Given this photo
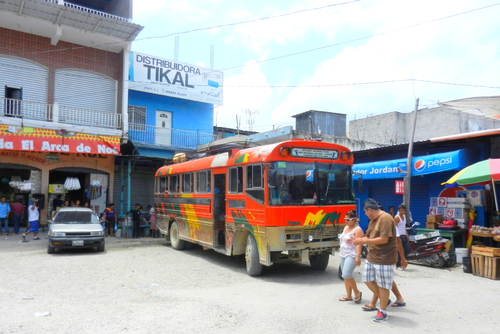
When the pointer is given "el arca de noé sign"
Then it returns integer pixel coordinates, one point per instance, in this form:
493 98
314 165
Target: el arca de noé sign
160 76
13 138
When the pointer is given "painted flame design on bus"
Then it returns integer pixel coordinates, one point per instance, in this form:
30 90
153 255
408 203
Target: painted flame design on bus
272 203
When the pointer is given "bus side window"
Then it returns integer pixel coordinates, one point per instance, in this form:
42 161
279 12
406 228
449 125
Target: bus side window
174 183
254 176
236 179
187 184
163 185
203 181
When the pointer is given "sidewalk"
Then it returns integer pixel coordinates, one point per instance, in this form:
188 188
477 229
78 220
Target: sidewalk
15 242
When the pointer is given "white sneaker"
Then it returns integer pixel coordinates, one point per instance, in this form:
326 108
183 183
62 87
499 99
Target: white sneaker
400 268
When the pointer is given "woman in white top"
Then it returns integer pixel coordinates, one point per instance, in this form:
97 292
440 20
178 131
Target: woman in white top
350 256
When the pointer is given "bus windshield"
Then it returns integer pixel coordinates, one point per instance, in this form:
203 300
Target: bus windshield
298 183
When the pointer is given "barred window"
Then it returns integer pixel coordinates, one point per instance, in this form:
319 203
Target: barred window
137 118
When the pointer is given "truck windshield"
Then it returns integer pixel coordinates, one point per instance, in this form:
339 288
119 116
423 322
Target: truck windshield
297 183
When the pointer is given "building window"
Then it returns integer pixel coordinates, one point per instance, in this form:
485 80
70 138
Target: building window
137 118
12 104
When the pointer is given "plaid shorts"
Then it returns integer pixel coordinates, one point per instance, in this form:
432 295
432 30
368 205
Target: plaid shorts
383 275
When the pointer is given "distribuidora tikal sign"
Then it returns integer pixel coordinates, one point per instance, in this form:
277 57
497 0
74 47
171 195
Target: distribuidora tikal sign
171 78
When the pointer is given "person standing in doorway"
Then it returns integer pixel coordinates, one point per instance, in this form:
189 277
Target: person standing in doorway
4 216
136 221
110 217
33 216
380 237
16 213
57 203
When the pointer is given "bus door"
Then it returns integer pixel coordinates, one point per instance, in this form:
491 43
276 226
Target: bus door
219 210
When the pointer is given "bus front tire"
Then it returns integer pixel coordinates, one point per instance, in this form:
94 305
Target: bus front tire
175 241
319 261
254 268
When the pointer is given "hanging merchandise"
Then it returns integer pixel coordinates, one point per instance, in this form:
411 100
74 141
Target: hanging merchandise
72 183
21 185
95 189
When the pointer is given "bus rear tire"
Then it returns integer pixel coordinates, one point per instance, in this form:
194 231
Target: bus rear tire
319 261
175 241
254 268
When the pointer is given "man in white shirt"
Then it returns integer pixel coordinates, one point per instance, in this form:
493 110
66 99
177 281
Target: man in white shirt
33 216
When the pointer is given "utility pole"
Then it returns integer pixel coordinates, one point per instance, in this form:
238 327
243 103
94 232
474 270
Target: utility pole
409 165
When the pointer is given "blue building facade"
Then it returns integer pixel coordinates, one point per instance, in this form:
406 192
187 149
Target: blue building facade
380 173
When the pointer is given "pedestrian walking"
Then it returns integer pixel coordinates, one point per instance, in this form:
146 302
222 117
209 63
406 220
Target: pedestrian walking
394 288
110 217
16 214
381 239
350 256
33 217
136 220
4 216
152 222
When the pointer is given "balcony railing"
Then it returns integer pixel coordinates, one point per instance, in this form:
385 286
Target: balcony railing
59 114
167 137
89 117
25 109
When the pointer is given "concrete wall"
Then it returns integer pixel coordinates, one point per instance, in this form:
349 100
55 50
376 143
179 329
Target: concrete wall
396 128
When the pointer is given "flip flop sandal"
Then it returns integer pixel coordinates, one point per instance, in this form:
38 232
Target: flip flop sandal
398 304
345 299
357 300
369 308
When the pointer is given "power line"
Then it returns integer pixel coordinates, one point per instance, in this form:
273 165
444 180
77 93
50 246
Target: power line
248 21
364 37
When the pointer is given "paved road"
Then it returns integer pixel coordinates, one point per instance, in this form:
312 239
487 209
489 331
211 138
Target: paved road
144 286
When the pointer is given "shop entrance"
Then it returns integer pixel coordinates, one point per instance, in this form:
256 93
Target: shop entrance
19 183
78 187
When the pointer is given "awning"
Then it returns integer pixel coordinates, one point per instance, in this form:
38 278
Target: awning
17 138
155 153
428 164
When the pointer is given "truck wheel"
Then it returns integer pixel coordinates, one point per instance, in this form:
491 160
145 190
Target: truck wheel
50 249
254 268
319 261
175 241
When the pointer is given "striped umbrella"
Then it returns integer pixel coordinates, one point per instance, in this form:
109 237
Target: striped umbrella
482 172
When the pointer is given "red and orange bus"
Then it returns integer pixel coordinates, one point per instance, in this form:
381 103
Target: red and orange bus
272 203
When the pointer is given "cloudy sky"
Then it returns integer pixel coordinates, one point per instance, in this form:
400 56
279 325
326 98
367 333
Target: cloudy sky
359 58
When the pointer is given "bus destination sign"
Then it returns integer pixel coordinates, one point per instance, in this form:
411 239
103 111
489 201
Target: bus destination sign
314 153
